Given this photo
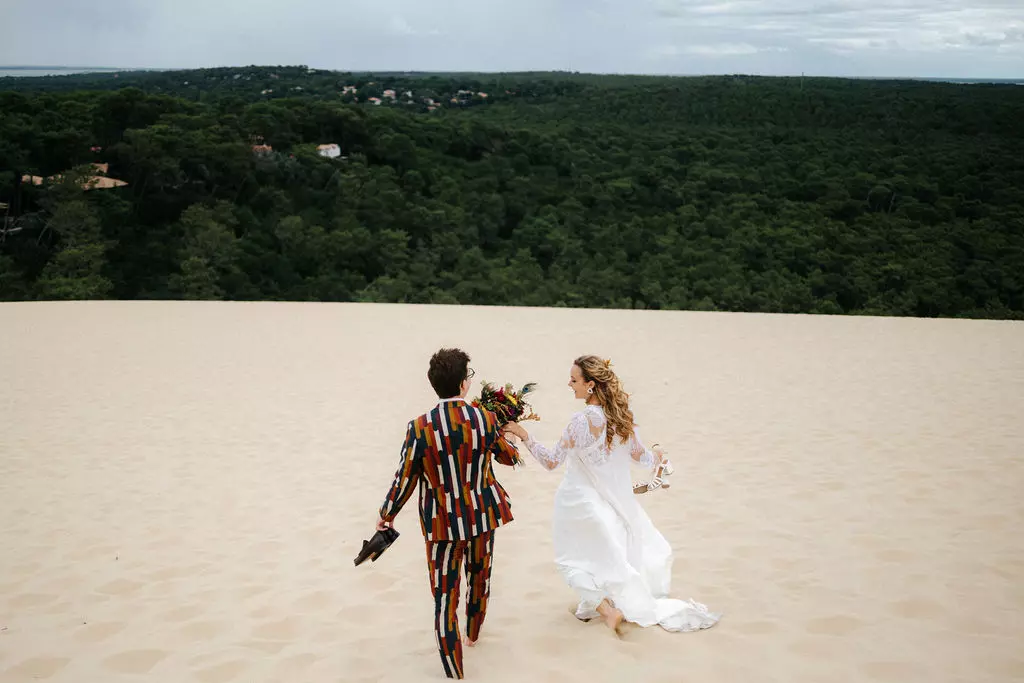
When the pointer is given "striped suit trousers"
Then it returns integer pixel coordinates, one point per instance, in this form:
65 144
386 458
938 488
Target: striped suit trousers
444 562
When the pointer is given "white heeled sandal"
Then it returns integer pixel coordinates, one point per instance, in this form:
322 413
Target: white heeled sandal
658 481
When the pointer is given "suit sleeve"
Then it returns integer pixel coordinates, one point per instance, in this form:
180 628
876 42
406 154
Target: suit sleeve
503 451
405 478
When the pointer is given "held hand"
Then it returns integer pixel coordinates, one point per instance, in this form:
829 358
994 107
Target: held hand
516 429
382 525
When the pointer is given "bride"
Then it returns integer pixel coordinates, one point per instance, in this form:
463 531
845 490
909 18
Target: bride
606 546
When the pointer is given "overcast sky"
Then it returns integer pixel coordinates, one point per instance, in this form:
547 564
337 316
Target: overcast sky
924 38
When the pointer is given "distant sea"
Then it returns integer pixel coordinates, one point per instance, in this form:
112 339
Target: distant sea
29 71
962 81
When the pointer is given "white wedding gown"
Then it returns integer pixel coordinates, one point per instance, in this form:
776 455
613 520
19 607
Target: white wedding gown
605 544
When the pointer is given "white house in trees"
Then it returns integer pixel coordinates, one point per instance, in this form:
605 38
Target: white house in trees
331 151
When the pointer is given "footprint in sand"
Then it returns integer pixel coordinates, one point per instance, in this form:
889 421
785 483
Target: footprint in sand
57 608
27 569
513 622
36 668
26 600
820 648
978 627
167 573
557 674
868 540
377 581
1003 572
134 661
10 588
96 551
362 612
282 629
264 611
161 542
202 630
992 522
335 633
268 566
838 625
755 628
893 555
797 586
223 672
921 493
270 647
64 585
917 608
553 646
312 601
200 661
785 563
184 613
898 672
299 662
119 587
96 633
363 664
252 590
1008 669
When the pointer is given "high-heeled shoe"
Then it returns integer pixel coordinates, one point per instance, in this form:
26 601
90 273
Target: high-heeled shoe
660 479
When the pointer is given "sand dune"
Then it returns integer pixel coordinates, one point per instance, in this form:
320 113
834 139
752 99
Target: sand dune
183 487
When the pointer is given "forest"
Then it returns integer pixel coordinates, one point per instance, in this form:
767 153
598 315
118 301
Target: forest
728 193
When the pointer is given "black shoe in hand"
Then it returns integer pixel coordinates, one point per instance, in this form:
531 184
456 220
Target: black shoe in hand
377 544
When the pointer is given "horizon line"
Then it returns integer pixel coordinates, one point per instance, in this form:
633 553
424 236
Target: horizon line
99 69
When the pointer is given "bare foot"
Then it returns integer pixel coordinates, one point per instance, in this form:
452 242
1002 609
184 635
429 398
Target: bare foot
614 619
612 616
470 643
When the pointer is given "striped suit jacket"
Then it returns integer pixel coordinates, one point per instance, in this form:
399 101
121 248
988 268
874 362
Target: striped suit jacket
447 455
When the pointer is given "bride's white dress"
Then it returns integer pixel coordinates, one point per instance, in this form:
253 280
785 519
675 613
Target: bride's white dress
605 544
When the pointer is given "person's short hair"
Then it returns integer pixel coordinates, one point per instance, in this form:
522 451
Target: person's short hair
448 368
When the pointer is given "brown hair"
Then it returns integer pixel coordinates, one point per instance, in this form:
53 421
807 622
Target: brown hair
448 368
610 394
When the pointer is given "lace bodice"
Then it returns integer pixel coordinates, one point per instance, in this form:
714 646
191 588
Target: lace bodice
584 436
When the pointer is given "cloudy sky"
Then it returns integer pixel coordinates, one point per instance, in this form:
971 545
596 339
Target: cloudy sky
924 38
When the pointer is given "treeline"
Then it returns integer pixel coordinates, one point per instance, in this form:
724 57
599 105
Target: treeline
726 193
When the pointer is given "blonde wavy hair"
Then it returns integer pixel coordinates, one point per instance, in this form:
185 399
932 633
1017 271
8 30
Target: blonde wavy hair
609 392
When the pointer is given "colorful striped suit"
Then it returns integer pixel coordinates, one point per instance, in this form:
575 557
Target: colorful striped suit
447 456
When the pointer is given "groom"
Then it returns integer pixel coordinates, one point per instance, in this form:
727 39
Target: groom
447 457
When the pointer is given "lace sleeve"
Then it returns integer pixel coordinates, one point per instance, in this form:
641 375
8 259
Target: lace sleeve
639 452
579 433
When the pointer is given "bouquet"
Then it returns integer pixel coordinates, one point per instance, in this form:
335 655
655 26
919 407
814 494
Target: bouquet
507 404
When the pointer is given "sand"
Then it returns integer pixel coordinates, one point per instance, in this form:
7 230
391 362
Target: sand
183 487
